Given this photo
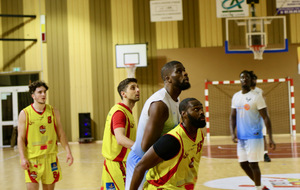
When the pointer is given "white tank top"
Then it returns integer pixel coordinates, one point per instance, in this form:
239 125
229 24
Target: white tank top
172 121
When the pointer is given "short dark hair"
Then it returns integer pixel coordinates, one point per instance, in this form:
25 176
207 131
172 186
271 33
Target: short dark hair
246 72
36 84
123 85
253 76
183 106
167 69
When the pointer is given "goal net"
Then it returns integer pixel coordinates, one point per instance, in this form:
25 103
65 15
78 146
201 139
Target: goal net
278 94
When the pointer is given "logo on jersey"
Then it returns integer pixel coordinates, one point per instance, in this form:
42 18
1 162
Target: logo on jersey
53 166
42 129
247 106
185 155
33 175
110 186
191 164
199 146
248 99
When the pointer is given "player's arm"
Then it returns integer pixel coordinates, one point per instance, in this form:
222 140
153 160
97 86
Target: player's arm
149 160
118 126
264 114
164 149
21 140
122 139
233 124
62 137
158 115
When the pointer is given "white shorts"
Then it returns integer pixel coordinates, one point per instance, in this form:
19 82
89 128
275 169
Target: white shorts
264 130
251 150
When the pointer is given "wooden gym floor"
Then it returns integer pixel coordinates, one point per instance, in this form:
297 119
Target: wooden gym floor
218 162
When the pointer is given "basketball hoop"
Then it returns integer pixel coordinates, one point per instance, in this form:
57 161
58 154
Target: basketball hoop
258 51
130 68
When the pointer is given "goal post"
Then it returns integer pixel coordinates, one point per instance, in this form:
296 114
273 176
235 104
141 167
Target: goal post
279 96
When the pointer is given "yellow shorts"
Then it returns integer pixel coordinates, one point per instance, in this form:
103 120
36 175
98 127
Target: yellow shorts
113 175
45 168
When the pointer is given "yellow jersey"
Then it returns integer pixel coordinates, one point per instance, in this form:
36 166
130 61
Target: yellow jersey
180 172
111 150
41 134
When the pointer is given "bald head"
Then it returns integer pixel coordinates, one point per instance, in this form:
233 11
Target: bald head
168 68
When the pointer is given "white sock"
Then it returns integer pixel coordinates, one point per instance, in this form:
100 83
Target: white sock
265 152
259 187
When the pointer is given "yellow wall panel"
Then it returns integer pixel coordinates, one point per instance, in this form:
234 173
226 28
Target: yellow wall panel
216 26
210 25
32 30
122 20
166 35
58 70
294 28
213 20
102 64
19 54
260 9
42 48
204 22
80 61
24 54
12 27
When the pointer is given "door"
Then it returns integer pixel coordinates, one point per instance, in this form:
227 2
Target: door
13 100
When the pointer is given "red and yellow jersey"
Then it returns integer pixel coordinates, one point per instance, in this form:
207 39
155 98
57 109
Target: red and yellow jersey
180 172
111 150
41 135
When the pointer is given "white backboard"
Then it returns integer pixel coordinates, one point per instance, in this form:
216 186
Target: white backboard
131 54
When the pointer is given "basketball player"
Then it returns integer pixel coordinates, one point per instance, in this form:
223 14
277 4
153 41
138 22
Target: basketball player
39 128
175 155
246 109
159 115
260 91
119 135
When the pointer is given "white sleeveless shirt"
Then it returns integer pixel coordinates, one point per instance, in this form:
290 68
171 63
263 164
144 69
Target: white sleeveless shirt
172 121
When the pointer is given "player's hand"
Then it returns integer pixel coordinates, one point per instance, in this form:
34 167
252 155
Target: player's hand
272 144
25 164
234 138
69 159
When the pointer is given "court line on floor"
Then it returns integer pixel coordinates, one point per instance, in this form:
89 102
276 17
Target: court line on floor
11 157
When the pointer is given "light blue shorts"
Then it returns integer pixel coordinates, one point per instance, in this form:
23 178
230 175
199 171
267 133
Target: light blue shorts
132 161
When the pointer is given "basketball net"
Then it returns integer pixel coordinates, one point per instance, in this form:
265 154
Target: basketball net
258 51
130 68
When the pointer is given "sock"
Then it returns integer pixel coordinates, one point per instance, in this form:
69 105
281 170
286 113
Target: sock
259 187
265 152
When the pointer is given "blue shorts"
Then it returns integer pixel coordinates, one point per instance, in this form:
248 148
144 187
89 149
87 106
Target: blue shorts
132 161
